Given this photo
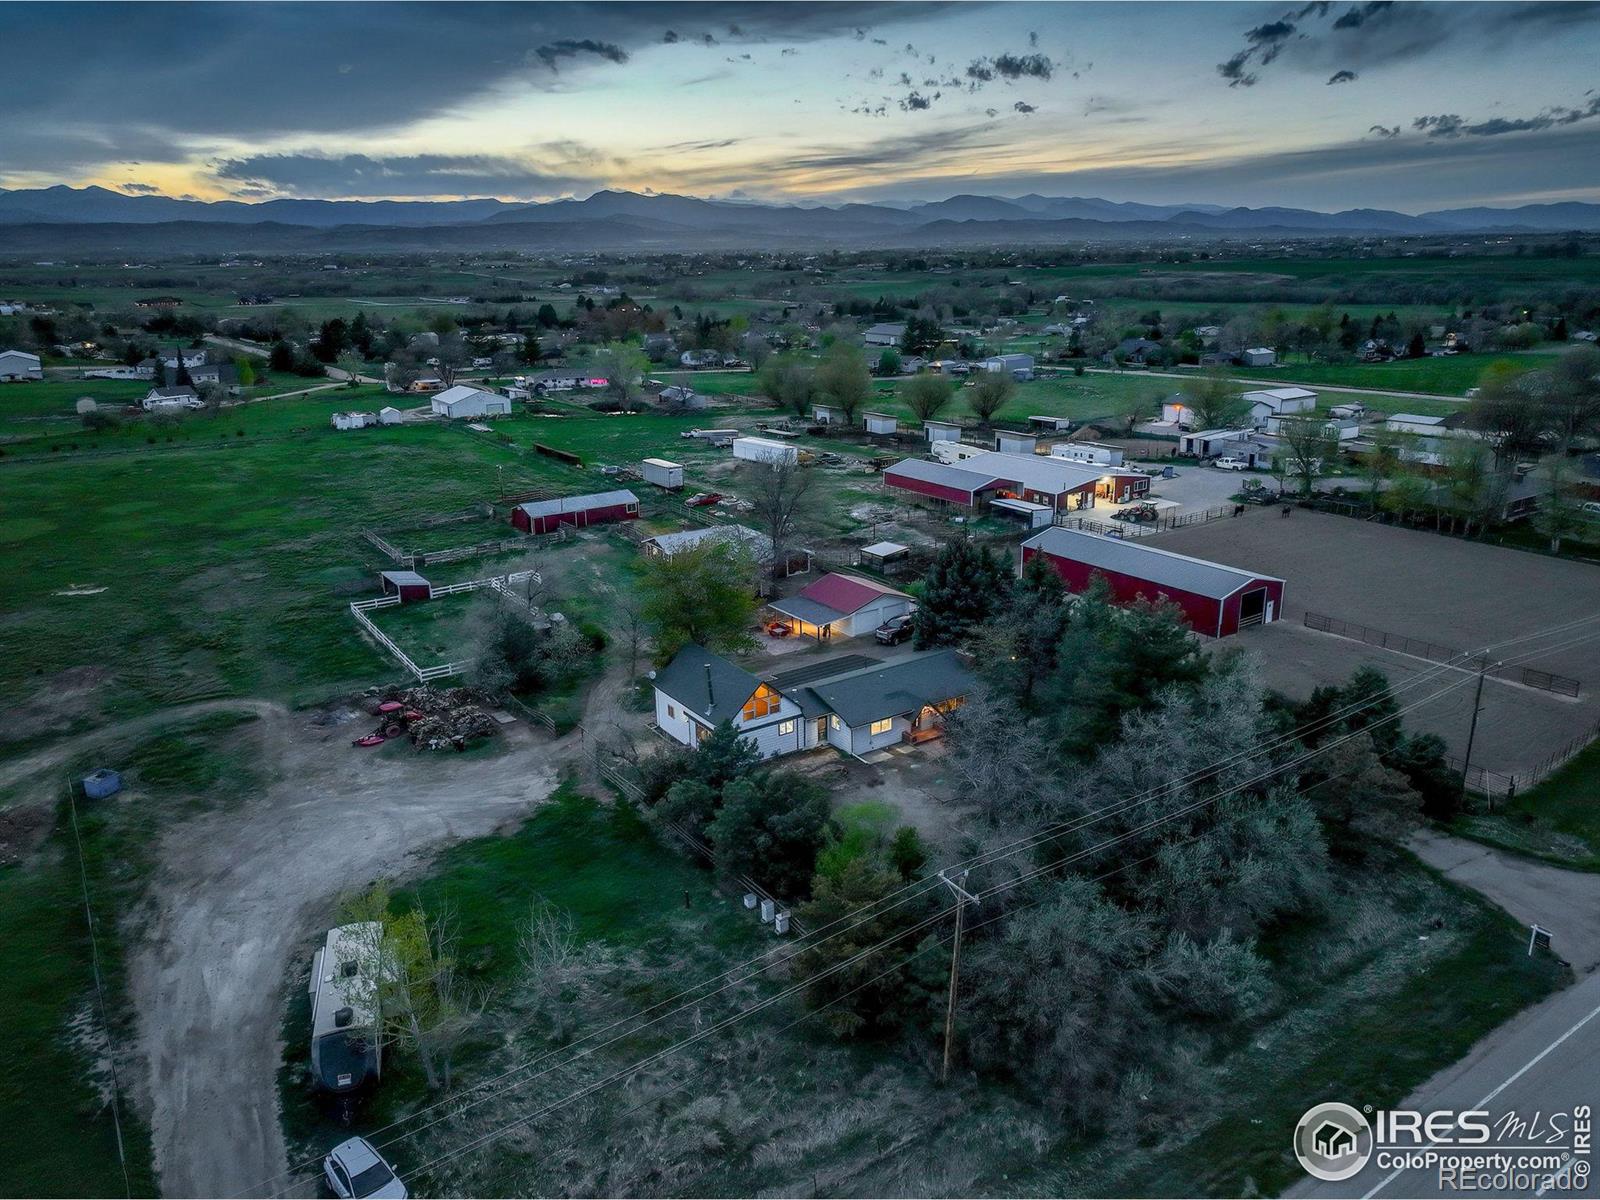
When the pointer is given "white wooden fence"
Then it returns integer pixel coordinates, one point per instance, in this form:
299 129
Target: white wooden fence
360 608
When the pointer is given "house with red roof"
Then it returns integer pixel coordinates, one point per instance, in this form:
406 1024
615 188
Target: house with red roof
840 605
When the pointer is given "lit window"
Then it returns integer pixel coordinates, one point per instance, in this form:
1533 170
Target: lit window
786 727
837 724
882 726
763 703
701 733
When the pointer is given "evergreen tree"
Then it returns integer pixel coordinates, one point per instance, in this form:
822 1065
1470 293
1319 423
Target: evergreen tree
965 587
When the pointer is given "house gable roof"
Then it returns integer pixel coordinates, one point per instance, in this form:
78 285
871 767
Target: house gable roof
461 391
706 684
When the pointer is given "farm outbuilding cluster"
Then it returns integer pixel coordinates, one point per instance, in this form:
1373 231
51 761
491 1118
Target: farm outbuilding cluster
1216 600
987 476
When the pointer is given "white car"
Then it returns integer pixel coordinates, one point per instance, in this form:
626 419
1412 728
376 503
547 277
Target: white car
1231 464
355 1170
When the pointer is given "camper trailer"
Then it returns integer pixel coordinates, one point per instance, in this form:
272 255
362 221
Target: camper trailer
344 1008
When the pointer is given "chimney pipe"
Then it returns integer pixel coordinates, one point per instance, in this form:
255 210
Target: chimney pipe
711 695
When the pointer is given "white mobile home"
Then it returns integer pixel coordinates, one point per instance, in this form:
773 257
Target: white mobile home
1092 453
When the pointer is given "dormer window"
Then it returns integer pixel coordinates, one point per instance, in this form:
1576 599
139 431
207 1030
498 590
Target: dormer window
765 702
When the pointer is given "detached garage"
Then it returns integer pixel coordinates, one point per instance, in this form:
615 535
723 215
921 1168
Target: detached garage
1216 600
600 508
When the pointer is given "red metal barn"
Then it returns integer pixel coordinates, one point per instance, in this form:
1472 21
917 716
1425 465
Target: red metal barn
939 481
601 508
1216 600
408 585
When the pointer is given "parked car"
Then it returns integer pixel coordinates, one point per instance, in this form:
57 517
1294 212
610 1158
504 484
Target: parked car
1231 464
355 1170
703 499
1591 509
894 631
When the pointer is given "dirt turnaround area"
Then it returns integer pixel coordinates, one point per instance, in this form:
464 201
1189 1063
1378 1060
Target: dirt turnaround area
1456 593
239 889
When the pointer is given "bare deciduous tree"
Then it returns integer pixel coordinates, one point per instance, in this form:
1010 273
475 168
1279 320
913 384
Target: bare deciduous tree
781 494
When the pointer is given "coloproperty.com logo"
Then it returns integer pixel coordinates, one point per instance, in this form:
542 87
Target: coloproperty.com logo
1468 1150
1333 1141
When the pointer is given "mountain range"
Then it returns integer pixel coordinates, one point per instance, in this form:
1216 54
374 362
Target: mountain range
95 218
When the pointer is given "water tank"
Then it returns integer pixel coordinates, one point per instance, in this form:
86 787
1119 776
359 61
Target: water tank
97 785
780 924
768 911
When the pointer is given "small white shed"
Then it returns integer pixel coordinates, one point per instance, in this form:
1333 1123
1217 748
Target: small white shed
1008 442
942 431
390 416
880 423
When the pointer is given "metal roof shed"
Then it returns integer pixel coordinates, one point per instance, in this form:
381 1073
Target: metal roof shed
408 585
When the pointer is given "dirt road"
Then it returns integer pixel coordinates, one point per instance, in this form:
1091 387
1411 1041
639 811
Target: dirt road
241 889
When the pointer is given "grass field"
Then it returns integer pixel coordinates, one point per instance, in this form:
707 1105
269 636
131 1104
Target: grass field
57 1137
600 865
1558 820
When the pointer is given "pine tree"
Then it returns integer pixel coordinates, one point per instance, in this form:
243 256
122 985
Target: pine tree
963 589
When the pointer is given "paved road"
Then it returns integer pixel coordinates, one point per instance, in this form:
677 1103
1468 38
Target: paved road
1546 1060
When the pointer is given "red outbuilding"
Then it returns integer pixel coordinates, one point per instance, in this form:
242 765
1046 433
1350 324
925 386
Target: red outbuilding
408 585
1216 600
544 516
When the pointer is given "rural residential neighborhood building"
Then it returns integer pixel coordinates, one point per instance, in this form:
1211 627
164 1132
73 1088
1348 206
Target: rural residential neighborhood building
598 508
1216 600
864 706
758 545
18 365
1268 403
1018 366
1258 356
988 475
885 335
462 402
841 606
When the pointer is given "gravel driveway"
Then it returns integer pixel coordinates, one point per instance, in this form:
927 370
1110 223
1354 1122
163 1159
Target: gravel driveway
240 890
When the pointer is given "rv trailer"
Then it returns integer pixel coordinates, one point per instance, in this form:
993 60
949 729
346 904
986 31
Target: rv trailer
345 1051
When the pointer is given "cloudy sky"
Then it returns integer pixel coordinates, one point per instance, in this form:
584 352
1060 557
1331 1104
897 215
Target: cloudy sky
1323 105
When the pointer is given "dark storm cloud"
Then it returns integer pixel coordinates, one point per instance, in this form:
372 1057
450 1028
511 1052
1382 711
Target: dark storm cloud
140 189
1022 106
1452 125
1343 77
551 54
1385 131
1380 32
281 70
360 175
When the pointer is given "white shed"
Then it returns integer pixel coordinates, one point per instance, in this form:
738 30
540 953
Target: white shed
390 416
942 431
880 423
662 473
1008 442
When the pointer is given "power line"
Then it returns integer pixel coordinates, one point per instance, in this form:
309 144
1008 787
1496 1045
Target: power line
912 891
100 993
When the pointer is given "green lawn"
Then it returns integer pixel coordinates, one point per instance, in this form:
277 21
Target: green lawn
1444 376
601 865
1557 820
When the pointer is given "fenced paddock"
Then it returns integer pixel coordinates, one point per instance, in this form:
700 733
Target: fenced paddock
361 610
1411 600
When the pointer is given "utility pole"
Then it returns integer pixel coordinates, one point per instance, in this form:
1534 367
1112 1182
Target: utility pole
1472 730
962 897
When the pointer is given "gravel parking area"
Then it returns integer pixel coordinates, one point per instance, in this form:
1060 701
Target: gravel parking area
1458 594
